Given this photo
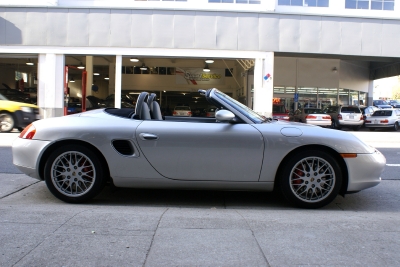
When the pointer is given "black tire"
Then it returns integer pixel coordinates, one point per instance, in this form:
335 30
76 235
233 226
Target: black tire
82 181
396 126
9 121
372 129
356 128
311 188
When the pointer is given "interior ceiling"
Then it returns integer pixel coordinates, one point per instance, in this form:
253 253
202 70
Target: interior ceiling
380 67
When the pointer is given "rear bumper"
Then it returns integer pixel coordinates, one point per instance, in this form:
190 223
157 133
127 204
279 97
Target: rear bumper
320 123
379 125
350 123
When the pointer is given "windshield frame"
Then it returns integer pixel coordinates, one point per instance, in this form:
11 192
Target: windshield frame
241 108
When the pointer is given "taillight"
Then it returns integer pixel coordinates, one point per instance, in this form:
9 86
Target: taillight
175 112
366 121
384 121
311 117
190 113
339 116
362 117
326 117
28 132
208 114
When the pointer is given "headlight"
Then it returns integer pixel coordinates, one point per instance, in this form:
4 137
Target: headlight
26 109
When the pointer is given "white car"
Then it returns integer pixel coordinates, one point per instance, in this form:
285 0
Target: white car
184 111
385 118
314 116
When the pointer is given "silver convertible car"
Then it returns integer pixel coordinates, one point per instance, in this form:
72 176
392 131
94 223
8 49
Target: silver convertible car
77 155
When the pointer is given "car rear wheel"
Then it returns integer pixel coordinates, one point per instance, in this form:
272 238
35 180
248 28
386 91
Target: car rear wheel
311 179
396 126
7 122
74 174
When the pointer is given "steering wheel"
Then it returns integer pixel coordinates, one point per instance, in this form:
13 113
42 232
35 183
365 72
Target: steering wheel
139 105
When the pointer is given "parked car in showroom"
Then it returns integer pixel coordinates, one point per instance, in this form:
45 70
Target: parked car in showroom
184 111
279 112
77 155
394 103
345 116
385 118
314 116
382 104
16 114
15 95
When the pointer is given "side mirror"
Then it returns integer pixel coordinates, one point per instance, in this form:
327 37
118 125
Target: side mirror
224 115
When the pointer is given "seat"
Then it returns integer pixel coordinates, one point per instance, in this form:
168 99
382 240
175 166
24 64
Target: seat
142 111
155 111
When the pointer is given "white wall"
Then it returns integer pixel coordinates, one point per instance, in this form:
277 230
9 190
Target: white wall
354 75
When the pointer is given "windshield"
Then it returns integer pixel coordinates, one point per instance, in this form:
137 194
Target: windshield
182 108
248 112
3 97
380 102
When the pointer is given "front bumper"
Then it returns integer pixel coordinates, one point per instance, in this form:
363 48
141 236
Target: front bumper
365 170
23 119
26 155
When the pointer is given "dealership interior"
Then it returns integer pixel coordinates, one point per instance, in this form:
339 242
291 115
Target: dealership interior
175 81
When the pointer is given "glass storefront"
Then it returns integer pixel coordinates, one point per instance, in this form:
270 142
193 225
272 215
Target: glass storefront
318 97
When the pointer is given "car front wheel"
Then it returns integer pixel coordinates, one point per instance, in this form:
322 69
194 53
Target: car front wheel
311 179
74 174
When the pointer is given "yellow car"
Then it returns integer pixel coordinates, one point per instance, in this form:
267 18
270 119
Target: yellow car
16 114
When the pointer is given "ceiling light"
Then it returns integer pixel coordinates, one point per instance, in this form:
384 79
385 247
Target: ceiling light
209 61
96 73
134 59
71 80
29 62
143 67
106 78
206 68
81 67
334 69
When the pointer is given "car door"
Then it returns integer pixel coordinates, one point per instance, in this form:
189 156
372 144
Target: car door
202 151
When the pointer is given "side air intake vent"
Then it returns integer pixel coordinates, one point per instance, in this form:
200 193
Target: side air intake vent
123 147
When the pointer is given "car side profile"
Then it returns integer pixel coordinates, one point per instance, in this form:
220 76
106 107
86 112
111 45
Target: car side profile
77 155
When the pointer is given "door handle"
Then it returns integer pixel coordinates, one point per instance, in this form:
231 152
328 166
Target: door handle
148 136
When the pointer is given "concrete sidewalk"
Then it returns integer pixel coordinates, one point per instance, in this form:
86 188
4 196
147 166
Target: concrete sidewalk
128 227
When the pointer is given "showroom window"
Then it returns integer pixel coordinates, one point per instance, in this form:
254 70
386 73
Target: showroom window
357 4
382 4
309 3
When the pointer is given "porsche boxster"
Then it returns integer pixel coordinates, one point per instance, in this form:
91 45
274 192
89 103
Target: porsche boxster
238 149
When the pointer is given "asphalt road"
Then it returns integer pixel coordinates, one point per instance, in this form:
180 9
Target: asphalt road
131 227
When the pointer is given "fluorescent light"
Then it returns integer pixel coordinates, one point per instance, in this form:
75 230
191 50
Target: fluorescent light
209 61
96 73
134 59
81 67
106 78
143 67
206 68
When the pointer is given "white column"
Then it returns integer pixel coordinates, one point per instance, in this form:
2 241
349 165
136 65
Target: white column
51 85
263 84
89 78
370 93
118 80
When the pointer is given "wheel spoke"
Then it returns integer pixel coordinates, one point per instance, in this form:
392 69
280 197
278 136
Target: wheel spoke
312 179
73 173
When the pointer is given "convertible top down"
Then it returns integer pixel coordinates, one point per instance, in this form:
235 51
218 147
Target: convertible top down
237 150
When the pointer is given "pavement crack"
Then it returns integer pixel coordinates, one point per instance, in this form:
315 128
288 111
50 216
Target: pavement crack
152 239
22 188
255 238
